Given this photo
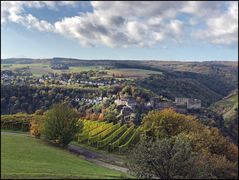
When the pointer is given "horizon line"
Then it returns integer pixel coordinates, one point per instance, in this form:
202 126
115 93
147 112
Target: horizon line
119 59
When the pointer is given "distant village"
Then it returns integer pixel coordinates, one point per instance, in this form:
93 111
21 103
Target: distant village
83 78
182 105
125 105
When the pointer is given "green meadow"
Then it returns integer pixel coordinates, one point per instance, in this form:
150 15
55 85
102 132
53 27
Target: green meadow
25 157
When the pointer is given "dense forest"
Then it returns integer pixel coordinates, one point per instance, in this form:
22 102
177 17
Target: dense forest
28 99
206 88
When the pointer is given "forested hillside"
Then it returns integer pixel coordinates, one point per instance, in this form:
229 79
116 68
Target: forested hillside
227 108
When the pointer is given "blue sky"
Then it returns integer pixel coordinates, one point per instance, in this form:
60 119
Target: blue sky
115 30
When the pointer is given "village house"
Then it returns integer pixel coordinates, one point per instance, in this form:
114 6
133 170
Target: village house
63 82
154 101
6 81
126 111
41 81
181 101
120 101
130 102
194 104
188 103
164 104
125 114
159 103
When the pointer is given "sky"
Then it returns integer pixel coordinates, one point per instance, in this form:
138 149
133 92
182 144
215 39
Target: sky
144 30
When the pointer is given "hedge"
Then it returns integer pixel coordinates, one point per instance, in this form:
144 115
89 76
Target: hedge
17 121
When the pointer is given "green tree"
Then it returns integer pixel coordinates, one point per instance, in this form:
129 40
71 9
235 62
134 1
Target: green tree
61 124
166 159
111 116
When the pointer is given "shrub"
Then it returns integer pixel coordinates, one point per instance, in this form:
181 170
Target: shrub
36 126
39 112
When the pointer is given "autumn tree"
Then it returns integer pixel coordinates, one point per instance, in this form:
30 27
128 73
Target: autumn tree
37 126
166 123
101 117
166 159
219 154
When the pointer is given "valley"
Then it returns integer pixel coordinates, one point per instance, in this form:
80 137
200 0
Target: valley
113 98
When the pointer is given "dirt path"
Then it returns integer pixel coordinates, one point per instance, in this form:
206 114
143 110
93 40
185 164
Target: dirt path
98 158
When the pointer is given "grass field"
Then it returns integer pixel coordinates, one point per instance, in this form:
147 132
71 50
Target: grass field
82 68
26 157
131 72
38 69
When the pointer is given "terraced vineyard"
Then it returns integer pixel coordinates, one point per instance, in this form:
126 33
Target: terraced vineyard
108 136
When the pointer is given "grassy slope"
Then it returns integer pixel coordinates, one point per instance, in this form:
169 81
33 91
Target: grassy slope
25 157
226 107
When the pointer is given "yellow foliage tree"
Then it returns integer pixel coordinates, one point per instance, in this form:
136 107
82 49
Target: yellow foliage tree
168 123
36 126
101 117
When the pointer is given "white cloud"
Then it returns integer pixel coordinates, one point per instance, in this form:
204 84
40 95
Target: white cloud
201 8
123 24
41 25
129 23
222 29
12 11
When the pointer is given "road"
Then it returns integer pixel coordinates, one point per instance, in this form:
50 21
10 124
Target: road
97 158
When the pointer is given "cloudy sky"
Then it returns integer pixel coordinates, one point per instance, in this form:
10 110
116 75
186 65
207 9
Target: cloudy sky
120 30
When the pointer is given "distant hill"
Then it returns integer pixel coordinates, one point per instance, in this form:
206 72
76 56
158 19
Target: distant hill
23 61
228 109
171 87
209 80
